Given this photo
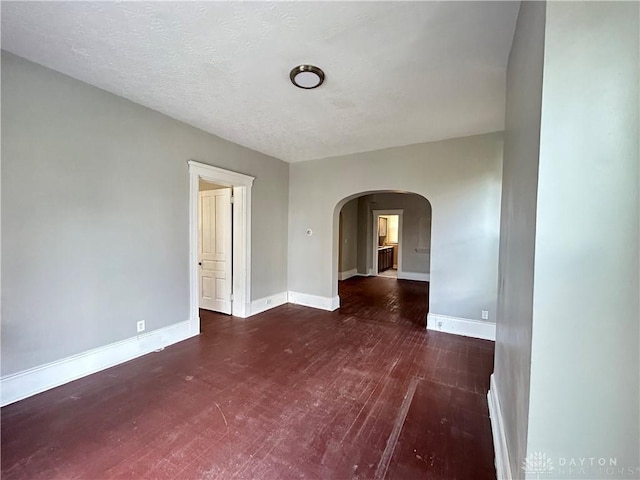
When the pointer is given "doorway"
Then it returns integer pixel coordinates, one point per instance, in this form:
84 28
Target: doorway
240 185
387 246
357 238
215 227
386 243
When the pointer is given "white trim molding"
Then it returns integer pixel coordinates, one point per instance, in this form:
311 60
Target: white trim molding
241 184
503 467
44 377
315 301
348 274
420 277
267 303
461 326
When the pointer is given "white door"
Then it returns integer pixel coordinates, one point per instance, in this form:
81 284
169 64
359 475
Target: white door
214 250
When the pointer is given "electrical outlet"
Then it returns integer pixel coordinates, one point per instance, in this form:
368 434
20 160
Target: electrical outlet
268 301
485 314
140 326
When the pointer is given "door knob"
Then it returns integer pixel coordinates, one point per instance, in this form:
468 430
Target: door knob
200 263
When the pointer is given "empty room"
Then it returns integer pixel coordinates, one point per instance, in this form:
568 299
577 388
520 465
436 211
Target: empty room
320 240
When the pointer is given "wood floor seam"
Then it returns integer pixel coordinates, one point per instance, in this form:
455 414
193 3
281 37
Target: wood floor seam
383 465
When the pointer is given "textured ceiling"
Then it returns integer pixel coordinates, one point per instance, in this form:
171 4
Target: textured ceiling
396 73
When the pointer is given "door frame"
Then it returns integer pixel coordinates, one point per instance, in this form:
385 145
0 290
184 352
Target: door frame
241 255
374 238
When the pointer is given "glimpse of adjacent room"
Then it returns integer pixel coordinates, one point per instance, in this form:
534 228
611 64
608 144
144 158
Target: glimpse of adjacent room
385 234
388 245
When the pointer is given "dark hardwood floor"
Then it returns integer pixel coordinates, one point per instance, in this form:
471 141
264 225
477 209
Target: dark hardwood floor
362 392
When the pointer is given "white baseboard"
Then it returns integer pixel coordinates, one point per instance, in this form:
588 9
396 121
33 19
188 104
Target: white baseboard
266 303
503 467
335 303
348 274
461 326
420 277
240 310
44 377
315 301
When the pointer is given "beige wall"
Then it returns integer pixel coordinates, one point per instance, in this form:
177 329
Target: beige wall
392 230
205 186
461 178
95 215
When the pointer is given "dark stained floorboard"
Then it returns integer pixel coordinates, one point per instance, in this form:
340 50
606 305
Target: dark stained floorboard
362 392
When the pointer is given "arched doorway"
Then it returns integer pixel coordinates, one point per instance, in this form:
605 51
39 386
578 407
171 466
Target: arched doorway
382 245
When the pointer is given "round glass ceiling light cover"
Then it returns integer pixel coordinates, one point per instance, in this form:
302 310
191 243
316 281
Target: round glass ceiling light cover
307 76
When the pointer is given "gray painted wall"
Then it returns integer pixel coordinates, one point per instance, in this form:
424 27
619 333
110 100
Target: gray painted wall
364 239
462 180
95 196
517 227
585 365
349 237
414 207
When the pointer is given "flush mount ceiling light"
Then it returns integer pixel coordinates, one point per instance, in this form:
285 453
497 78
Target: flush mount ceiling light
306 76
